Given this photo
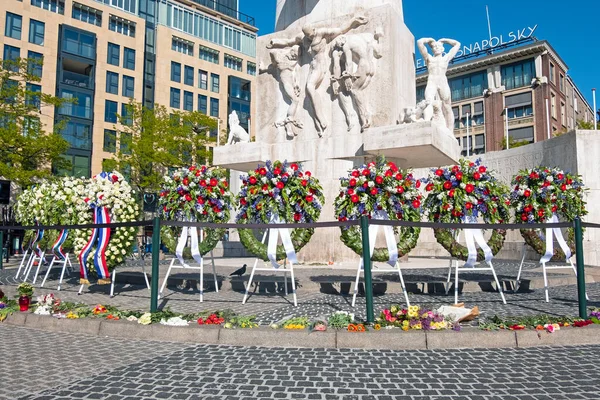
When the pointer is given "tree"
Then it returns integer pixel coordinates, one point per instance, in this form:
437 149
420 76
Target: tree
581 124
27 150
514 143
153 140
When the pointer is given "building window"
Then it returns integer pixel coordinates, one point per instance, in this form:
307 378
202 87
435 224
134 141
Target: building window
110 111
128 86
175 71
11 57
114 54
552 72
202 104
87 14
421 93
215 83
129 58
239 88
214 107
202 79
126 5
175 98
112 82
9 92
121 25
521 134
78 134
466 115
79 43
479 144
188 77
468 86
126 117
553 105
34 63
32 95
110 141
81 107
478 117
80 166
518 105
125 141
182 46
208 54
563 114
561 82
251 68
36 32
232 62
56 6
14 26
518 74
233 38
188 101
456 118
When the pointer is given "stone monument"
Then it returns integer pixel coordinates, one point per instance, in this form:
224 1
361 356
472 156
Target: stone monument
333 80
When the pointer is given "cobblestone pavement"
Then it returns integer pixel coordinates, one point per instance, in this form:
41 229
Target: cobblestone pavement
42 366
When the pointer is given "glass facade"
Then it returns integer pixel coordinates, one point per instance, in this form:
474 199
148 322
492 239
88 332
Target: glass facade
518 74
468 86
125 5
81 108
78 134
79 43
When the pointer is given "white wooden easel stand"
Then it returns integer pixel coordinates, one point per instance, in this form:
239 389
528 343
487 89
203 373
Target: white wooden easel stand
187 266
23 265
545 268
457 269
60 263
284 270
34 257
112 282
395 269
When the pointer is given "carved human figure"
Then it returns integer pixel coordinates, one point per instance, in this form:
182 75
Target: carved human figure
349 50
437 83
283 67
237 134
316 42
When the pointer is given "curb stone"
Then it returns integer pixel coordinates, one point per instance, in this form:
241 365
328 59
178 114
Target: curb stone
564 337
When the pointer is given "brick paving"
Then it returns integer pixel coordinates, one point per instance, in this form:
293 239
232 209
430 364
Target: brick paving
42 366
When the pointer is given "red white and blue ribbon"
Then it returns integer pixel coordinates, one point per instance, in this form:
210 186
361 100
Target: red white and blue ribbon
39 235
57 249
550 232
471 237
102 236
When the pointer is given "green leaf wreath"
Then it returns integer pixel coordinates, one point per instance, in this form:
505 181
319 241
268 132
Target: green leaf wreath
467 190
278 190
379 188
538 194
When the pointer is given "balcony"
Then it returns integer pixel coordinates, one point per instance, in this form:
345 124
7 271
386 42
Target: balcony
75 79
230 12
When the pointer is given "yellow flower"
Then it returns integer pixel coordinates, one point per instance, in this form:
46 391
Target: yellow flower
377 327
405 328
417 326
405 323
394 309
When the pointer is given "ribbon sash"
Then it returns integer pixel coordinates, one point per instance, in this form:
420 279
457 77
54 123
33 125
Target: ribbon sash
550 232
101 216
57 249
35 244
473 236
182 242
286 240
390 238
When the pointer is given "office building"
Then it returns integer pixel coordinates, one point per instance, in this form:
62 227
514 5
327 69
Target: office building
184 54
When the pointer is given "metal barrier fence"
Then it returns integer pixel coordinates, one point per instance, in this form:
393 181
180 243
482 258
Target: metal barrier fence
364 223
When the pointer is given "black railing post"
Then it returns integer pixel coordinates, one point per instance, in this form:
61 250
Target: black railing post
580 269
366 247
2 255
155 263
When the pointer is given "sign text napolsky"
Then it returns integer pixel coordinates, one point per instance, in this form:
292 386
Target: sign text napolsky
488 44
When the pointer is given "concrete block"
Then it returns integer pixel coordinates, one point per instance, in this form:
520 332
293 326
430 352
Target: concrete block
277 338
565 337
16 319
470 338
394 339
132 330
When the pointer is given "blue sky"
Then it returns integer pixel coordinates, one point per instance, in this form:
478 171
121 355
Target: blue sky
570 27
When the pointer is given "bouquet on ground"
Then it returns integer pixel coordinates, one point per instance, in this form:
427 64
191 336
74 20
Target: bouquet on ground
278 192
466 192
197 194
383 191
539 194
413 317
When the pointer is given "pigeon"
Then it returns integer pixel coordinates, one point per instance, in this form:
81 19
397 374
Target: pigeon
239 272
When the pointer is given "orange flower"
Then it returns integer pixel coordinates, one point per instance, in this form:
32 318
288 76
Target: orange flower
360 328
377 327
351 328
539 328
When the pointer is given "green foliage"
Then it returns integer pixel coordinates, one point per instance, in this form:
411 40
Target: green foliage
25 289
589 125
513 143
340 320
170 234
155 140
531 322
27 149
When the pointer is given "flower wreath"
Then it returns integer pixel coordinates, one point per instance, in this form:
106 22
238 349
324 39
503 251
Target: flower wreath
379 188
30 209
461 191
281 190
541 192
109 190
199 194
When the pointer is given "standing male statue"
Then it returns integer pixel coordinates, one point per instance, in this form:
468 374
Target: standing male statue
316 41
437 83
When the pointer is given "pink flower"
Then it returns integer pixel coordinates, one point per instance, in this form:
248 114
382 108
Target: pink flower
549 328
